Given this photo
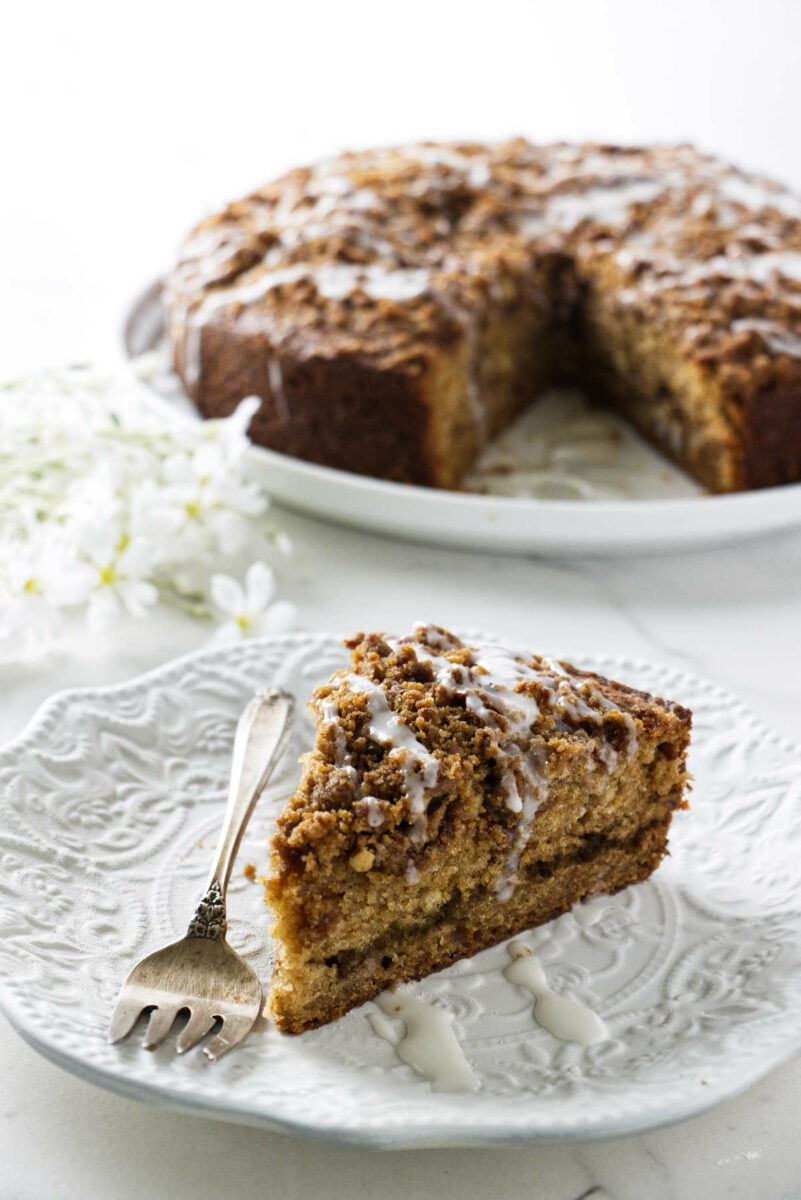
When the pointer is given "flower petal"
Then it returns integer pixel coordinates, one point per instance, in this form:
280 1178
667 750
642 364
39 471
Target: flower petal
73 586
230 530
259 586
278 618
178 469
227 634
97 539
138 596
227 594
103 610
138 559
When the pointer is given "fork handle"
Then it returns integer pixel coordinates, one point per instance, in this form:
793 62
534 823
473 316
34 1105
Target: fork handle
260 737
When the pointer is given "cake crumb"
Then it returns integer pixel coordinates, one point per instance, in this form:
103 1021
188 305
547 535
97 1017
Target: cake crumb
362 860
249 871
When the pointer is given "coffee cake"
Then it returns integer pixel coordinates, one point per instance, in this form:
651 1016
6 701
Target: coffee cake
394 309
458 793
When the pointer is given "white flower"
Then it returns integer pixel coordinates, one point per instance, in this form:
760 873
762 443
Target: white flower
108 504
44 564
122 567
28 625
38 577
101 490
247 612
153 516
230 434
205 501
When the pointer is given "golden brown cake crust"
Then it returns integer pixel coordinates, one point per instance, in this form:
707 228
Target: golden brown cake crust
457 794
335 293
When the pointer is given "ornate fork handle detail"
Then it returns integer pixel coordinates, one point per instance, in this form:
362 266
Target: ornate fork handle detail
209 920
255 735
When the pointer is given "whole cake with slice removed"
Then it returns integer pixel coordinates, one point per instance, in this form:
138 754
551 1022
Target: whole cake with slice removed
396 308
458 793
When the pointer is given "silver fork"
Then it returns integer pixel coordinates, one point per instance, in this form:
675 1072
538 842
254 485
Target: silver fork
200 973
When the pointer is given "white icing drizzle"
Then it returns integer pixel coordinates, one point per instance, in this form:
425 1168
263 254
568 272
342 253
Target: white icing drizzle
667 271
588 912
337 211
607 205
338 280
505 671
569 701
384 1028
276 378
330 714
475 168
437 639
245 291
375 815
565 1019
428 1045
494 695
493 698
489 686
535 791
351 774
419 768
342 762
776 337
334 281
608 755
755 195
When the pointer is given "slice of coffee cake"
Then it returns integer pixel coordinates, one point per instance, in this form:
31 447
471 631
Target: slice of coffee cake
456 794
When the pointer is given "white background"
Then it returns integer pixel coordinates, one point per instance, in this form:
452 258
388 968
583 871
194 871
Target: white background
121 125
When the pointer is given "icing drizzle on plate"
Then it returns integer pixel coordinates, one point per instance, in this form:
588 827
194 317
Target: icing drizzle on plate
565 1019
429 1043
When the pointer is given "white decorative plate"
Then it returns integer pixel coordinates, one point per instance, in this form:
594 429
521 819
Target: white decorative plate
565 480
108 805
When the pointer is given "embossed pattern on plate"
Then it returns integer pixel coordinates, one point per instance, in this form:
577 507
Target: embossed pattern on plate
107 805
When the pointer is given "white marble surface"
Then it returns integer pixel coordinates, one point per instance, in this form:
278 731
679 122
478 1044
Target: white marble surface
129 124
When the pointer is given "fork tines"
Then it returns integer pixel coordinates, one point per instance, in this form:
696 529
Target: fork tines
203 1017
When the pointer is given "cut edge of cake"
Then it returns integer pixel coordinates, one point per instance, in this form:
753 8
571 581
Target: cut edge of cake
457 794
